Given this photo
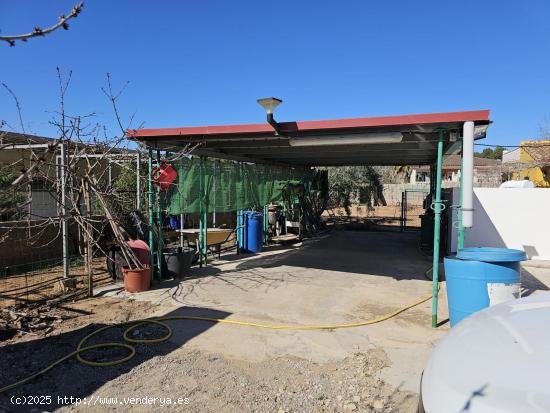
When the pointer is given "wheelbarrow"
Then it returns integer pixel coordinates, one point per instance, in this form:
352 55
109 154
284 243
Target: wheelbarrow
215 237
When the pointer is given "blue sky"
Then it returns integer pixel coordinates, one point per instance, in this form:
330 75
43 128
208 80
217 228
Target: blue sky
206 62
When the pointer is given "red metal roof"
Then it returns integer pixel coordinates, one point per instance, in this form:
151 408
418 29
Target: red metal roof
319 125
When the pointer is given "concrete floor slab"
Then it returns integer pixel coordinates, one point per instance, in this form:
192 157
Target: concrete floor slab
339 277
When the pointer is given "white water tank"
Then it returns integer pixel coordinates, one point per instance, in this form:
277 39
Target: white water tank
525 183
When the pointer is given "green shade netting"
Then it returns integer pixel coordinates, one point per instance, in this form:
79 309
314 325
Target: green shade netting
230 186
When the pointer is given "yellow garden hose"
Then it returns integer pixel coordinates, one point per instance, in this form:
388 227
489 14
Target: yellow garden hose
159 321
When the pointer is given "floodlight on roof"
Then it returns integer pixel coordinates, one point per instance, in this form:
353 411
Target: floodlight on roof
269 105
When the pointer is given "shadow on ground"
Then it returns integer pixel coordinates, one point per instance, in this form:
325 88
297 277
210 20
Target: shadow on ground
387 254
530 283
72 378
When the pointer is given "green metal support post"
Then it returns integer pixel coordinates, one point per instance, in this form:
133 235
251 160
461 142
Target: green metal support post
205 216
238 231
461 229
201 223
266 224
150 211
437 206
159 226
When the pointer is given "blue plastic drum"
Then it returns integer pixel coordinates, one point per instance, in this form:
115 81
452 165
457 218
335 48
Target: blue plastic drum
253 231
480 277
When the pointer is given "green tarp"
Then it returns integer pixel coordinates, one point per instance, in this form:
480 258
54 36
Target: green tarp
230 186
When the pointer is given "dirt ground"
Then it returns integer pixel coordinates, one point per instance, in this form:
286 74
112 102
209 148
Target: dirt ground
210 382
339 277
381 215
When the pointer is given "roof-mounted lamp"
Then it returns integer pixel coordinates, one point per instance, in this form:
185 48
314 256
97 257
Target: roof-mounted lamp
269 105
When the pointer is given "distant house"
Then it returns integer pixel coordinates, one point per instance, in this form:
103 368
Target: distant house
511 155
533 162
487 172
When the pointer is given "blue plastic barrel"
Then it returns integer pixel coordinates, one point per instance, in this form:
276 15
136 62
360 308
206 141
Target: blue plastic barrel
253 231
480 277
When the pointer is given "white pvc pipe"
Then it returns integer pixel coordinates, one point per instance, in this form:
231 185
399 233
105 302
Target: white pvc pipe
468 175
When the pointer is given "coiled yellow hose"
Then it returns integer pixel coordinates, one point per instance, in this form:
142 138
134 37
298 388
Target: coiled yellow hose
159 321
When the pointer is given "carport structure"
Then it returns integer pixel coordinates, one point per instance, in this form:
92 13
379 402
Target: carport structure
420 139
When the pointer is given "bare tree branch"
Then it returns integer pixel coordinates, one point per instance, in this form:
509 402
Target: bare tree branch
17 105
75 11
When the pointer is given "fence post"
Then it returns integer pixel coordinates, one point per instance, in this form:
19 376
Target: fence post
403 211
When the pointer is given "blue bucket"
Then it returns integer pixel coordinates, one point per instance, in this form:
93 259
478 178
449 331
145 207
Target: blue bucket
253 231
480 277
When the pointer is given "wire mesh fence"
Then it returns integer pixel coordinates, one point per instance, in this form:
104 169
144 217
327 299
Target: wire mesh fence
413 207
31 262
41 281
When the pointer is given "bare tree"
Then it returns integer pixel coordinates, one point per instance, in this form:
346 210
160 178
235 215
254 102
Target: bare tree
81 180
37 31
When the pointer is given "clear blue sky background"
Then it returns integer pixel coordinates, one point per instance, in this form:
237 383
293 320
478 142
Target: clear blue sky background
206 62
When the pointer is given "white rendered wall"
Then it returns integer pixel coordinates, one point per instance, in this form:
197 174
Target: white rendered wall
510 218
510 156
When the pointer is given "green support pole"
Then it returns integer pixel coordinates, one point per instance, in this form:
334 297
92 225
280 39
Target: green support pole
461 230
159 226
150 212
205 217
238 231
437 207
201 222
265 222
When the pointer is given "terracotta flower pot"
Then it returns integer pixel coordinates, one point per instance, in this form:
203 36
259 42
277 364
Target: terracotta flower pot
136 281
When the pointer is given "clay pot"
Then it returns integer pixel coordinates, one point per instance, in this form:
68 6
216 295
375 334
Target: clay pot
136 281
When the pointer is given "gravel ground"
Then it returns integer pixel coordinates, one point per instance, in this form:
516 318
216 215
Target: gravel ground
199 381
213 384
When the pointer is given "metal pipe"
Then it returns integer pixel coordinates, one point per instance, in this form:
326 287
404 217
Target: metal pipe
267 239
461 231
150 211
468 175
437 207
181 231
274 124
240 232
64 219
205 213
26 146
214 190
138 181
159 225
201 223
